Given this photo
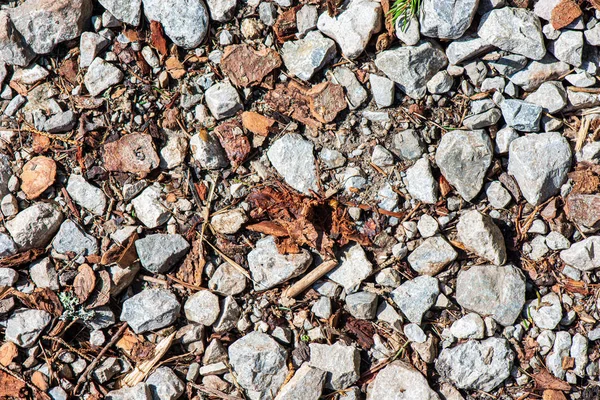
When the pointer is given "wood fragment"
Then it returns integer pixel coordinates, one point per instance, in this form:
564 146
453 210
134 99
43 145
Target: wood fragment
309 279
142 370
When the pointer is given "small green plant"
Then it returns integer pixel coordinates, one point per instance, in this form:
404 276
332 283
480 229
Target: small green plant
305 338
72 310
404 10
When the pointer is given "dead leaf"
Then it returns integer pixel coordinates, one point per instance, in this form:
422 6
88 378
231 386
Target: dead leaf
545 380
11 387
553 395
21 258
157 38
84 282
257 123
8 352
191 269
285 27
133 153
127 341
38 175
175 68
38 380
564 13
269 228
245 66
68 70
445 186
363 331
234 141
101 294
567 363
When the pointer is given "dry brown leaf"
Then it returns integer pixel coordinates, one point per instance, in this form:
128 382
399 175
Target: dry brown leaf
41 299
362 330
234 141
285 27
38 380
553 395
8 352
38 175
101 294
175 68
84 282
268 228
11 387
21 258
68 70
191 269
142 351
157 38
545 380
127 342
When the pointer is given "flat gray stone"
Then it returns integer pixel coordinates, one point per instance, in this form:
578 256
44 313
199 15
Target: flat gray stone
202 308
420 183
101 76
222 10
492 290
382 90
568 47
471 326
72 238
356 94
538 72
353 269
227 280
408 145
185 21
551 96
416 296
362 305
24 326
141 391
304 57
447 19
539 163
583 255
432 256
466 48
306 384
341 362
521 115
151 309
292 156
165 385
463 158
399 378
149 208
128 11
159 252
13 47
208 153
546 313
223 100
479 234
35 226
86 195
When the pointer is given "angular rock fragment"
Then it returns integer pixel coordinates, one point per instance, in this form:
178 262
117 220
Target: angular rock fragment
151 309
307 383
432 256
86 195
245 66
304 57
583 255
101 76
25 326
420 183
400 377
159 252
353 269
35 226
133 153
185 21
480 235
128 11
341 362
13 47
417 296
292 156
447 19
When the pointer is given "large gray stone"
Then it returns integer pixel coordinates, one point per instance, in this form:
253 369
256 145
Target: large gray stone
463 158
480 235
185 21
353 27
538 72
35 226
222 10
447 19
202 308
400 381
223 100
306 384
547 312
539 163
341 362
521 115
141 391
46 23
411 67
420 183
492 290
128 11
568 47
259 364
25 326
583 255
269 268
292 156
13 48
477 365
165 385
516 30
72 238
417 296
151 309
207 151
304 57
101 76
551 96
466 48
158 253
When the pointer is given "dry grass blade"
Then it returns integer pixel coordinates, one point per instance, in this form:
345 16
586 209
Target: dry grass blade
230 261
142 370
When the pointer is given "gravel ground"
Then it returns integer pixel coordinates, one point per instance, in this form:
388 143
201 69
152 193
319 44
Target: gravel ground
299 200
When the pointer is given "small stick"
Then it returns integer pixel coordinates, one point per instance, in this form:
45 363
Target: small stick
214 392
310 278
96 361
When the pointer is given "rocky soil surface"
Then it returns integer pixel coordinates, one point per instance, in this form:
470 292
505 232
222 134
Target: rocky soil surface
299 200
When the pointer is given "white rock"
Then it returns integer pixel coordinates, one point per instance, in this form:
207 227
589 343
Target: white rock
292 156
86 195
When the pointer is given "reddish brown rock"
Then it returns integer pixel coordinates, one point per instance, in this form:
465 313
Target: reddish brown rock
236 144
257 123
584 209
133 153
38 175
245 66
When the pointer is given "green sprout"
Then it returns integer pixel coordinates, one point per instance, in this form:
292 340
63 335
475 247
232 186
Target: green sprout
71 309
404 10
305 338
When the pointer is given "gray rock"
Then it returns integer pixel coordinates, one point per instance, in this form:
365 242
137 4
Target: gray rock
208 153
13 47
229 222
269 268
389 315
408 145
417 296
583 255
322 307
141 391
202 308
14 105
400 380
581 79
185 21
463 158
230 314
353 27
546 313
551 96
492 290
7 246
466 48
222 10
341 362
427 226
540 164
151 309
149 208
61 122
101 76
159 252
353 269
516 30
481 365
355 93
304 57
362 305
35 226
86 195
43 274
497 195
227 280
128 11
5 175
173 152
223 100
556 241
382 90
165 385
306 384
414 333
521 115
58 393
568 47
480 235
471 326
504 138
292 156
561 349
483 120
440 83
432 256
543 8
107 370
25 326
306 19
46 23
411 67
381 156
8 277
90 45
447 19
409 33
538 72
580 100
268 13
259 363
